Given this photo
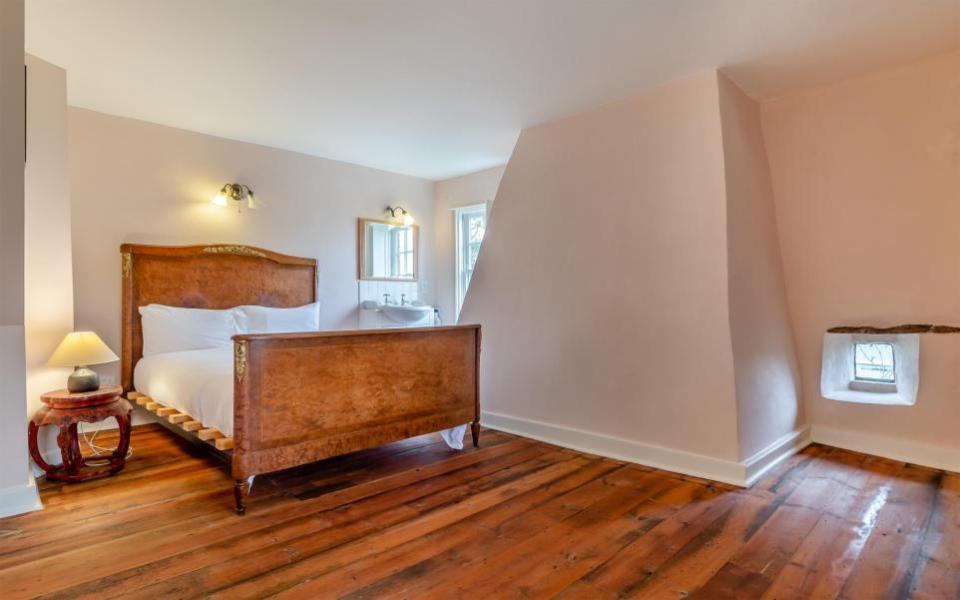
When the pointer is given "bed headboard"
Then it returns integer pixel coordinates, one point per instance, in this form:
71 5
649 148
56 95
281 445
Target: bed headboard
210 276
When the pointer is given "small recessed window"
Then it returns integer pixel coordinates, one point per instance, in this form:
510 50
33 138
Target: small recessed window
873 362
871 369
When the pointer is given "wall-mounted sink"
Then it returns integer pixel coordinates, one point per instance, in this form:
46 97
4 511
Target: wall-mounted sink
408 313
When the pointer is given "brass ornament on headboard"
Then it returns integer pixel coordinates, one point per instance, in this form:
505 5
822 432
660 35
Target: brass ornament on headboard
241 250
240 359
125 259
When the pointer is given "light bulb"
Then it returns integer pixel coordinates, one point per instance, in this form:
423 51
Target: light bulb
220 200
407 219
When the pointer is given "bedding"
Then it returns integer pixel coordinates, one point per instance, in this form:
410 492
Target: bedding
266 319
200 384
196 382
175 329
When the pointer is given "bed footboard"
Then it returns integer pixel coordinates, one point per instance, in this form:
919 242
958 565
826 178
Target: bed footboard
303 397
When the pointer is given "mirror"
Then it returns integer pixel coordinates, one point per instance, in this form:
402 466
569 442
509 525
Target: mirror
388 251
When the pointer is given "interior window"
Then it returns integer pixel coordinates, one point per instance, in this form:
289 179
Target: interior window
471 225
874 362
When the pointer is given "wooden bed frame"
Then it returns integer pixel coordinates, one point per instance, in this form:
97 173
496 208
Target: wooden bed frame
299 397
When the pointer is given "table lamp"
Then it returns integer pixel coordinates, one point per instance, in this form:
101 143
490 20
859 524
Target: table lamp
77 350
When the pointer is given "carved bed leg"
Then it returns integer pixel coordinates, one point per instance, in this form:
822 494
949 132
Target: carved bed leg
240 489
475 430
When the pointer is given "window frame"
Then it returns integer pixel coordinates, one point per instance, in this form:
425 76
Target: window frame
873 380
461 217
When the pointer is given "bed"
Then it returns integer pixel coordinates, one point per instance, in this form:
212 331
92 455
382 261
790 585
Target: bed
269 402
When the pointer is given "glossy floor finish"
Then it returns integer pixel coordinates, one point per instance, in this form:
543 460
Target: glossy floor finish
514 519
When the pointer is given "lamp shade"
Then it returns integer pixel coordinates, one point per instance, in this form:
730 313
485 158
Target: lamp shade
81 348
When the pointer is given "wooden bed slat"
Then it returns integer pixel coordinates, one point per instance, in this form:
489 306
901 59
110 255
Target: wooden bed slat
209 434
223 443
185 421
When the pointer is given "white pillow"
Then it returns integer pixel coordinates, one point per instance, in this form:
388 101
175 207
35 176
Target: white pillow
266 319
174 329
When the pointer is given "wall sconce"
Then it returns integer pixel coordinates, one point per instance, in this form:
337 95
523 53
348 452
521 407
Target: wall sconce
399 213
237 192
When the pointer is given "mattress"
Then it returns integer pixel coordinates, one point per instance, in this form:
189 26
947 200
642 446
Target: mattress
200 384
196 382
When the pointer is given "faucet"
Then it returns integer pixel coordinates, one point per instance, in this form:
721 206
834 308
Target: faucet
386 298
403 299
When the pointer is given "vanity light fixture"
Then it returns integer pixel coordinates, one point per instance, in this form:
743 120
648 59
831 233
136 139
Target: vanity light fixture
399 213
237 192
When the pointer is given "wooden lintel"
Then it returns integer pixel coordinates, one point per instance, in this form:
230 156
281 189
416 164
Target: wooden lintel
908 328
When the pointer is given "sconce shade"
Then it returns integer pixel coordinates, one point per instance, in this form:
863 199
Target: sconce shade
237 192
399 213
81 348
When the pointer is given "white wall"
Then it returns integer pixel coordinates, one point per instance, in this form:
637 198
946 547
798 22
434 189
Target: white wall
630 287
602 283
17 493
48 274
133 181
765 363
475 188
866 175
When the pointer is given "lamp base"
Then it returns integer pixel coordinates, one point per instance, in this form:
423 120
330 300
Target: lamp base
83 380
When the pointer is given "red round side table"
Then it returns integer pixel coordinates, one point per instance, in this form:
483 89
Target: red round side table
65 410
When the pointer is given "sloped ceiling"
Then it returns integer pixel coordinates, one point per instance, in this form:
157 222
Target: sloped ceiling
437 88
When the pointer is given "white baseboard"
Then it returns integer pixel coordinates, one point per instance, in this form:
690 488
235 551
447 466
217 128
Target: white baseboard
757 465
918 453
19 499
669 459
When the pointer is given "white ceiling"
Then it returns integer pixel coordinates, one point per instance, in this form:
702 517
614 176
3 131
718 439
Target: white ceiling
437 88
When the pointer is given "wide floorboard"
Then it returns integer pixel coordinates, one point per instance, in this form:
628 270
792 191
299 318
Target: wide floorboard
514 519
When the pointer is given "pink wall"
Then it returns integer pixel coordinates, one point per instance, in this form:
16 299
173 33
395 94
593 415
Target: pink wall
133 181
475 188
603 277
766 372
866 177
48 265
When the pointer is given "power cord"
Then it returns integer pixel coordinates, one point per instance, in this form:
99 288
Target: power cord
99 450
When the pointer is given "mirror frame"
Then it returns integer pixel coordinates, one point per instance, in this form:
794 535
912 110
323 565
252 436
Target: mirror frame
362 255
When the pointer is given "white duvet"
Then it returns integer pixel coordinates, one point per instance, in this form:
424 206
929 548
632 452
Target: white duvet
200 384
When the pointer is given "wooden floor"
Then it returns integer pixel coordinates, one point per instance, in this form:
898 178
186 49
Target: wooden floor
513 519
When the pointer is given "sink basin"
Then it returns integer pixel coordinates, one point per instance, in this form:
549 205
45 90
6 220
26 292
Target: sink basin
407 313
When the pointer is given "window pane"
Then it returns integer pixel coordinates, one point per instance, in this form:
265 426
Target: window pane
476 227
874 362
471 224
473 252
